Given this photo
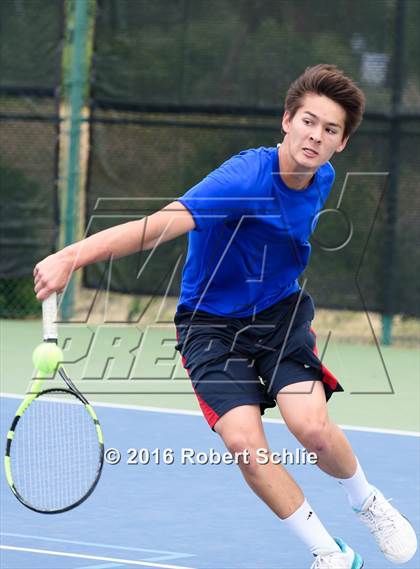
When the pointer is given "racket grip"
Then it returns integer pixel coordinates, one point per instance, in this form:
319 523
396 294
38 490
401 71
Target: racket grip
49 317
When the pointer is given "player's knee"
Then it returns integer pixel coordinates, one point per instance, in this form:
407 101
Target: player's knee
244 448
313 434
237 443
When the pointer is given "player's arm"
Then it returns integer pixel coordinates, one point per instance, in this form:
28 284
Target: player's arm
53 272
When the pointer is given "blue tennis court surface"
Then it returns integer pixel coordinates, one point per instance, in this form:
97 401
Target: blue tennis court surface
195 515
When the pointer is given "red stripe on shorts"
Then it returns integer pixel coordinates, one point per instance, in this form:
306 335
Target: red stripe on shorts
327 377
209 414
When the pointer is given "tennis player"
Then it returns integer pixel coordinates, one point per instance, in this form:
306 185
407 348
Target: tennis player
244 322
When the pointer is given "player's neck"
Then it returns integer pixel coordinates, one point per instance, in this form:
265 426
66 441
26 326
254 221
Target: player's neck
293 175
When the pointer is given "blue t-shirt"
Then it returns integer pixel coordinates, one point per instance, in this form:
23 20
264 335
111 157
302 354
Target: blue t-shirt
251 239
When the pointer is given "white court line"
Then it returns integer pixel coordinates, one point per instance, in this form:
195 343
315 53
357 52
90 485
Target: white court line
101 566
163 554
363 429
199 414
93 557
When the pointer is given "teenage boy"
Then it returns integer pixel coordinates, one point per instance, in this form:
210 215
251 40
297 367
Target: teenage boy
243 321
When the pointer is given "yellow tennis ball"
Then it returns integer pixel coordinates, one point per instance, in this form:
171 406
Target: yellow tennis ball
46 357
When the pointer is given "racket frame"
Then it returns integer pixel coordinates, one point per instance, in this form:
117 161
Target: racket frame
10 436
49 314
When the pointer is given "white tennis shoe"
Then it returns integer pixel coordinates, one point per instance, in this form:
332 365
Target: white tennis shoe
344 559
393 533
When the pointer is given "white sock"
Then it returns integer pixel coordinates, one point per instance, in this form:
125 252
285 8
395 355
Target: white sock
357 487
306 525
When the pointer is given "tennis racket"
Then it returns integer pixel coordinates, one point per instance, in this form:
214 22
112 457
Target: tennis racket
54 450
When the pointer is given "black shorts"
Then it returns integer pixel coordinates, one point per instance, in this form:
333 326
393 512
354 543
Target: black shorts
242 361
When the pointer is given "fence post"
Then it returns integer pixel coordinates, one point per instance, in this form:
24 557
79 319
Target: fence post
394 173
76 58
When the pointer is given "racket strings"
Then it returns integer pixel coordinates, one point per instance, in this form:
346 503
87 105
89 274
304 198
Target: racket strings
55 454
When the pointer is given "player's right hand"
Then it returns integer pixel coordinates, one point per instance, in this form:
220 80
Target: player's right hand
52 274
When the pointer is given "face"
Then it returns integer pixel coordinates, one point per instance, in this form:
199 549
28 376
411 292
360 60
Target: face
316 131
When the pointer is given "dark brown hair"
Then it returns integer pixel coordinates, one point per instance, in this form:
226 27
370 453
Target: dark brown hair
331 82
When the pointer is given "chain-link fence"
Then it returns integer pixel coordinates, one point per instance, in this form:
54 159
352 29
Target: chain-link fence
185 101
30 61
177 89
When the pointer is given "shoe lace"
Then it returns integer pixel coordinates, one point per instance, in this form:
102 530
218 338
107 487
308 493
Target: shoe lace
379 518
327 561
